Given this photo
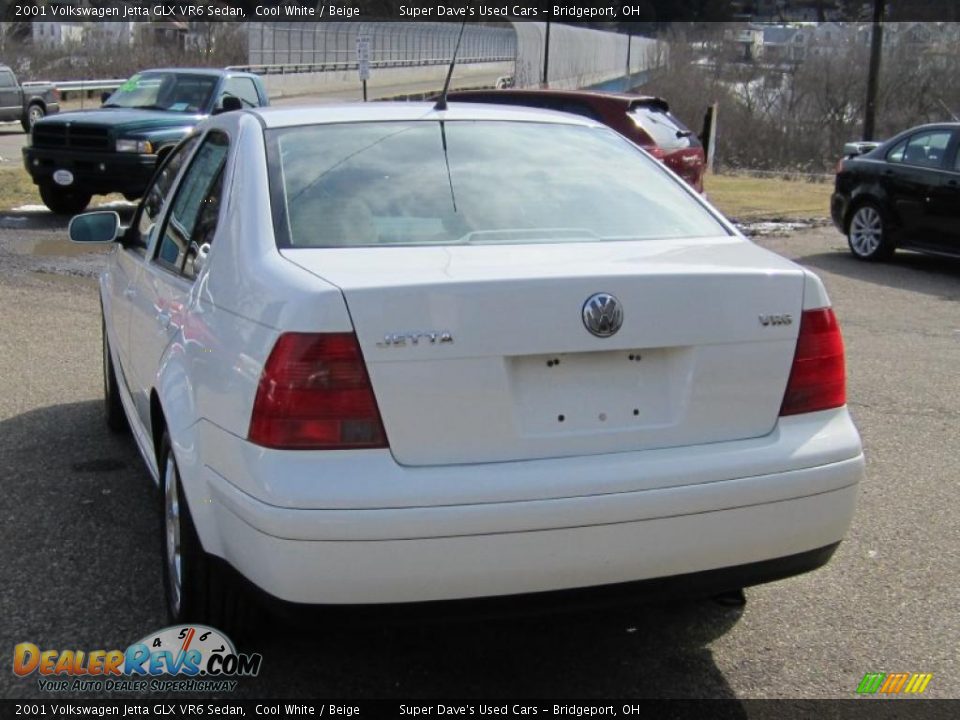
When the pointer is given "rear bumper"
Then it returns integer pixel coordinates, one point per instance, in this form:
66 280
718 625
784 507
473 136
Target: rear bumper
838 210
94 172
400 554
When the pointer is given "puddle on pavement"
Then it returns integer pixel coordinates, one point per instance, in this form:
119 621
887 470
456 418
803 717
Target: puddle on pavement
55 247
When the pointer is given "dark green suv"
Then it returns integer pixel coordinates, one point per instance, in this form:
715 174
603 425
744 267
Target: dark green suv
115 148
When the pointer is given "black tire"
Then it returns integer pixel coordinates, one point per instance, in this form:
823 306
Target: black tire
35 112
64 201
207 591
112 407
868 233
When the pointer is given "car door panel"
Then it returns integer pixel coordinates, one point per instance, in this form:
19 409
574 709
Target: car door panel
910 178
159 310
944 205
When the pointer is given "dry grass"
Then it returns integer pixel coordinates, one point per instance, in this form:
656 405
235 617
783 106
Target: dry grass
16 187
737 196
751 198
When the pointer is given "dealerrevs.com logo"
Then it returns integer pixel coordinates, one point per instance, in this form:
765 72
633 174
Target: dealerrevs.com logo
179 658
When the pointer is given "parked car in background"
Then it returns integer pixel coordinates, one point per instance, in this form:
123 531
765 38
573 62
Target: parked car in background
115 148
26 103
904 192
381 353
645 120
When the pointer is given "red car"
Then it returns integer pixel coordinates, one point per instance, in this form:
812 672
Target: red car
643 119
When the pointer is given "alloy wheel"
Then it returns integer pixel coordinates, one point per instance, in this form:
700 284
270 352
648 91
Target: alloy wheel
866 231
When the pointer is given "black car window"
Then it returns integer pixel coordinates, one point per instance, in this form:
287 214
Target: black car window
927 149
663 128
193 219
149 212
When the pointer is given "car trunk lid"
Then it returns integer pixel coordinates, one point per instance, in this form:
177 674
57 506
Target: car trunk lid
481 353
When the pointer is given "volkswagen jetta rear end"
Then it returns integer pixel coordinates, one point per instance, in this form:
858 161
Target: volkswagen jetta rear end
477 352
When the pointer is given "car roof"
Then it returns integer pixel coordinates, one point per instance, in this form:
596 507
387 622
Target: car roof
291 115
594 97
193 71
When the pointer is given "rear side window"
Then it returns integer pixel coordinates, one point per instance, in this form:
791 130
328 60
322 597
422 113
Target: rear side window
666 131
192 220
471 182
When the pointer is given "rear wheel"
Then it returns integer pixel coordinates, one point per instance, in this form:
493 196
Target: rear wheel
35 112
64 201
113 409
198 588
868 234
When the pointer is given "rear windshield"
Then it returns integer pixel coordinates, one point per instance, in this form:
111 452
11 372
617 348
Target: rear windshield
471 182
663 128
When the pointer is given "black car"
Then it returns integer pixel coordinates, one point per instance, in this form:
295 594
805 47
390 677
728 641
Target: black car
905 192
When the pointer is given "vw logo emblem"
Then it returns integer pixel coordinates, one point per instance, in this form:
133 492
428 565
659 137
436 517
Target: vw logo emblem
602 314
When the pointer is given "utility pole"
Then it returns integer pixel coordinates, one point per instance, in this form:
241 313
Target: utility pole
546 58
629 43
876 46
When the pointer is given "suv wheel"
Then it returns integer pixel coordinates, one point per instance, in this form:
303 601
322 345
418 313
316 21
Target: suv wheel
64 201
868 234
34 112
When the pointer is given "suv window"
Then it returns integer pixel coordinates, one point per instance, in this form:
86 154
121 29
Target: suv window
192 220
664 129
159 189
242 88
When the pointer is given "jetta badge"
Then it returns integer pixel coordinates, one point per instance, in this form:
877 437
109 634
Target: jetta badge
602 314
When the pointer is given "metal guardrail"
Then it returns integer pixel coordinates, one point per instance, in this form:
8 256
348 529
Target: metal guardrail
335 65
83 85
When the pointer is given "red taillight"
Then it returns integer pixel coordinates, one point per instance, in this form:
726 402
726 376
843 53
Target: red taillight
315 394
818 377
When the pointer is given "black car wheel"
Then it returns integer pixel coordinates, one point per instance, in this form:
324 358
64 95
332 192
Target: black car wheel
64 201
116 418
34 113
868 233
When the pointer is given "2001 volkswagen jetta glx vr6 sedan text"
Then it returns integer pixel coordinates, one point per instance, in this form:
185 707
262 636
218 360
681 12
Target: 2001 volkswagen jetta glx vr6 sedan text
385 353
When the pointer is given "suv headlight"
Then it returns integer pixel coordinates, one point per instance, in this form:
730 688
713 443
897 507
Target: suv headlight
135 146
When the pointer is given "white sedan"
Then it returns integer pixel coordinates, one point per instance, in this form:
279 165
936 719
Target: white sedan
382 353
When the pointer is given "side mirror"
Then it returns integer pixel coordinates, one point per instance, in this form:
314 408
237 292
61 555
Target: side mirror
228 104
104 96
95 227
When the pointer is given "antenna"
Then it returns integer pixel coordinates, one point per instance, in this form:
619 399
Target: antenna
442 100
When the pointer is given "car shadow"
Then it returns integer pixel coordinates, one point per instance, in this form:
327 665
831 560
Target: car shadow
928 274
83 569
647 651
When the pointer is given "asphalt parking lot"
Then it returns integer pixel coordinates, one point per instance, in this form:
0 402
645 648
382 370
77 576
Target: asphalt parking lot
80 531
